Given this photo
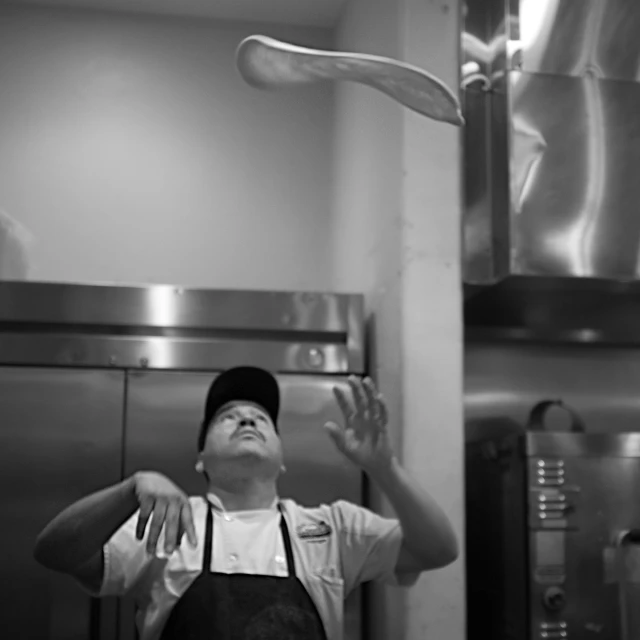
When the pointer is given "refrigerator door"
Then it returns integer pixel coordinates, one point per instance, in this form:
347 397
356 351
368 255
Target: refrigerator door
164 410
60 439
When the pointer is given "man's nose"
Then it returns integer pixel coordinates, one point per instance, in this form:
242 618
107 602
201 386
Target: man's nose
247 422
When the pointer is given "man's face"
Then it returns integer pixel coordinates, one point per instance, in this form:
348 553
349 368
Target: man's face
243 431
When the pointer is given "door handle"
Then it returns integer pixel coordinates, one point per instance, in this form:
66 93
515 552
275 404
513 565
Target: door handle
624 540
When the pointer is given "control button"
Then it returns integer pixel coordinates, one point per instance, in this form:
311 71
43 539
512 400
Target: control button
552 464
554 598
553 630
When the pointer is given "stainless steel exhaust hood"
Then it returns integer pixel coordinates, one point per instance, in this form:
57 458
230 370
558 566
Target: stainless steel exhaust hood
552 142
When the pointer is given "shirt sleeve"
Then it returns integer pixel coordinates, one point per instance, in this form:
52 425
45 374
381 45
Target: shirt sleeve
125 560
369 546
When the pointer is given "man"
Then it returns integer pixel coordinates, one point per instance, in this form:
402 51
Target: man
240 564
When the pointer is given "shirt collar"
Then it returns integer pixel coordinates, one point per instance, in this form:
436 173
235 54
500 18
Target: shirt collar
216 503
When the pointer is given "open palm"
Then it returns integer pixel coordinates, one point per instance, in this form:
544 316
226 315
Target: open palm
363 436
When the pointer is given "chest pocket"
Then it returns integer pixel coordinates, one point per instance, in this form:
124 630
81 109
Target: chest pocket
321 555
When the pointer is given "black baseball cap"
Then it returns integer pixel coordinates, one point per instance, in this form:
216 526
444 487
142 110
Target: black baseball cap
241 383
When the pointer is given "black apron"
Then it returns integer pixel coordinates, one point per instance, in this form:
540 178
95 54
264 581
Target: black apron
242 606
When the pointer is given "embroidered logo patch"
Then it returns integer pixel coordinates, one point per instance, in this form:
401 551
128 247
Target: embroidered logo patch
312 531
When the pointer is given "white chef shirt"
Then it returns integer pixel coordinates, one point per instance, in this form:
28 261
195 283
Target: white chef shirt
361 546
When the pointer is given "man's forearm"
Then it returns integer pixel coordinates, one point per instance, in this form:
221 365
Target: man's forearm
427 532
81 530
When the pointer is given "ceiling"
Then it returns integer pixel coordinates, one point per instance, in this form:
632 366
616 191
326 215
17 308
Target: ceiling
313 13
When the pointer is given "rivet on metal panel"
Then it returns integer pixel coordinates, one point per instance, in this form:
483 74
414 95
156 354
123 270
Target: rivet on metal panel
315 357
112 361
144 362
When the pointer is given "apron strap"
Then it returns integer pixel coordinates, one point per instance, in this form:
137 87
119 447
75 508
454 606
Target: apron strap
287 544
208 541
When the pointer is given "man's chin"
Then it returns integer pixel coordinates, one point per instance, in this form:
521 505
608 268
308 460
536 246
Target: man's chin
249 437
250 450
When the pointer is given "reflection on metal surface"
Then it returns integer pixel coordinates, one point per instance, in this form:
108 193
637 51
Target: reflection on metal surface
171 307
507 379
484 37
577 37
551 149
571 445
169 353
60 439
166 328
556 37
555 310
573 187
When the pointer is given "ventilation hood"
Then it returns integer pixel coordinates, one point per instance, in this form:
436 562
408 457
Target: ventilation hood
551 98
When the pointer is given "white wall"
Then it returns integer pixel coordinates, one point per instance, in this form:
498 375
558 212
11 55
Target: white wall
368 183
133 152
397 220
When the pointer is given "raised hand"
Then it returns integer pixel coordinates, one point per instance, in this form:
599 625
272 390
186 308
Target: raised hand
363 435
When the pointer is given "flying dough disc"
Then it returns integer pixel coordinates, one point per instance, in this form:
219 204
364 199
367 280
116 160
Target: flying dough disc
266 63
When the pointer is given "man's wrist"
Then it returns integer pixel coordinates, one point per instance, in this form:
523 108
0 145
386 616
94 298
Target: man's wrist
385 471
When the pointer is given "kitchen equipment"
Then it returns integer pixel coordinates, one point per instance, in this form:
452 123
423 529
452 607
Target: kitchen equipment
552 530
266 63
551 140
97 382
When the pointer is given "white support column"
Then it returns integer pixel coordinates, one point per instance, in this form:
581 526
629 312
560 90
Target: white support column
432 433
397 238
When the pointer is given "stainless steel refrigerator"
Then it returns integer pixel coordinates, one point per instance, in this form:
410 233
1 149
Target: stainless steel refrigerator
98 382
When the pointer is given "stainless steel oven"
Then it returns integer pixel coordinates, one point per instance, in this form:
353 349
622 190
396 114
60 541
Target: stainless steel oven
553 531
